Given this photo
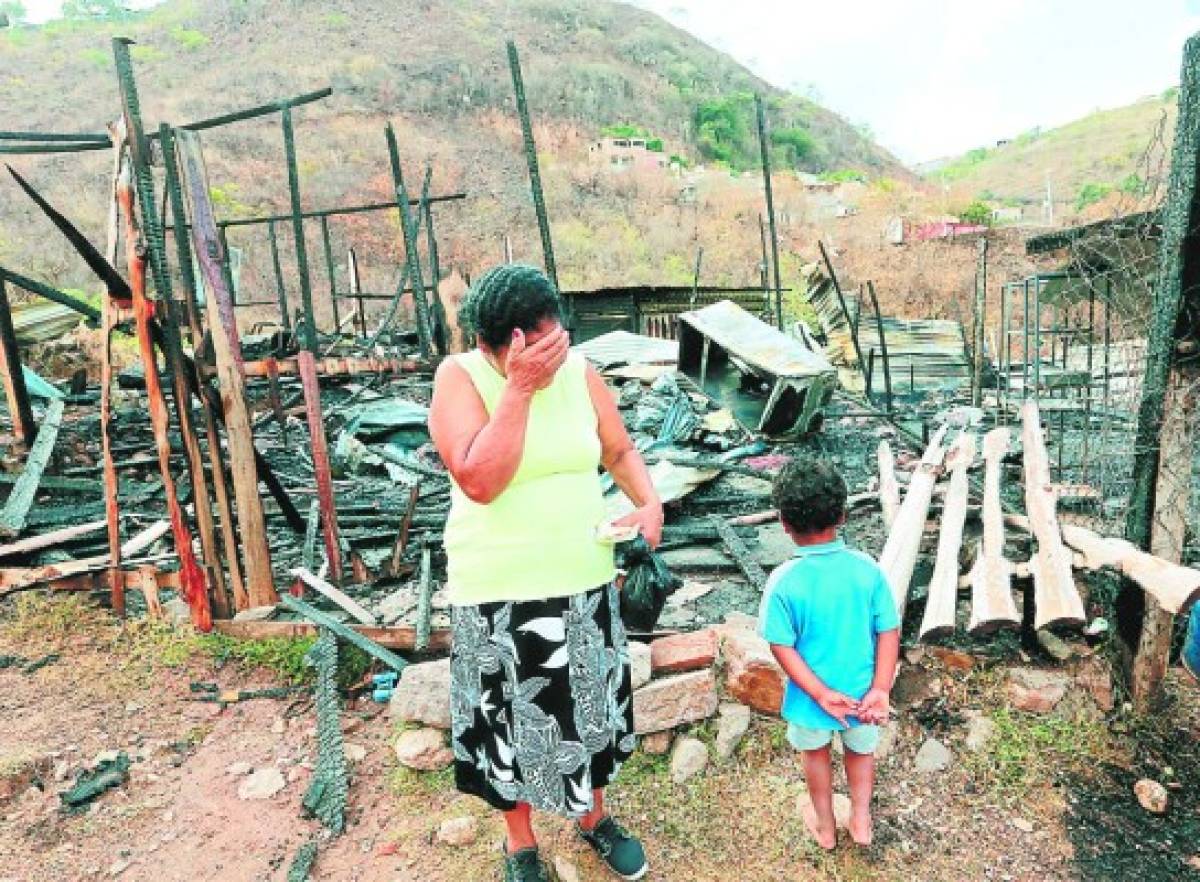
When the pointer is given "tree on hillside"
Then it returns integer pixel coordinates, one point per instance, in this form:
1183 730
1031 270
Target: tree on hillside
721 127
12 13
94 10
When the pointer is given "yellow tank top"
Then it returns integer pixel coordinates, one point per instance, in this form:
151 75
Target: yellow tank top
537 539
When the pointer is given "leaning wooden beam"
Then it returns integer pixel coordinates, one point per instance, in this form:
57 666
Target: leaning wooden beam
942 602
366 644
899 554
349 604
319 450
1056 598
740 555
15 392
260 584
16 509
109 315
992 605
1173 586
389 637
889 488
333 367
49 540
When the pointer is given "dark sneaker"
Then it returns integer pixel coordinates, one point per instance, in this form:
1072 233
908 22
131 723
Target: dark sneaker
621 852
525 866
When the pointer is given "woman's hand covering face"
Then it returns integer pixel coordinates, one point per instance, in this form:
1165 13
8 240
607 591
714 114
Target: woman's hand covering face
531 367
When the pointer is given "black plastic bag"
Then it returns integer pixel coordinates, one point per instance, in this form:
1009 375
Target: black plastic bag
648 583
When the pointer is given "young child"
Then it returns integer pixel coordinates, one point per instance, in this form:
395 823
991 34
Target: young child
832 625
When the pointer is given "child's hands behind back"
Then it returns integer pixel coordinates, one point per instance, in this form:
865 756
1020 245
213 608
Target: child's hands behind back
838 706
875 707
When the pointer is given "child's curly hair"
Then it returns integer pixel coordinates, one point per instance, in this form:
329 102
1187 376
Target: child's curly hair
809 494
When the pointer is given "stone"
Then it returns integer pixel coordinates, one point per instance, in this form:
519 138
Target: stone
19 771
688 759
279 726
657 743
674 701
458 832
255 614
954 659
1022 824
741 620
914 655
423 749
355 753
980 730
1152 796
239 769
423 695
1094 675
914 686
887 741
119 866
565 869
933 757
684 652
1035 691
731 728
262 784
176 612
639 663
752 675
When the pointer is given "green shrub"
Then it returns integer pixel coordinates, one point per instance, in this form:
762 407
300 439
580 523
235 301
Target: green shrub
844 176
189 38
1091 193
976 213
795 143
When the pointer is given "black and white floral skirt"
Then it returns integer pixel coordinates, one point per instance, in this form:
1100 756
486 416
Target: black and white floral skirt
540 700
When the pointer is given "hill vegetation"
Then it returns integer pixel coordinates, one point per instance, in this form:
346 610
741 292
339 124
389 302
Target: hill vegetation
438 70
1107 155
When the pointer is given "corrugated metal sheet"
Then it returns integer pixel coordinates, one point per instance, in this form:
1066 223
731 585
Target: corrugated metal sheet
622 347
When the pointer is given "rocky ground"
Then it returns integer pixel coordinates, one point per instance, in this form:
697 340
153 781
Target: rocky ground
987 773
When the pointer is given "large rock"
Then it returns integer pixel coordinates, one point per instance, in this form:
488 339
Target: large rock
424 750
914 686
657 743
933 757
752 675
639 663
262 784
684 652
1035 691
732 727
673 701
980 730
423 695
688 759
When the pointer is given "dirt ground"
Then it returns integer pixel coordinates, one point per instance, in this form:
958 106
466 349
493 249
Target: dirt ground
1047 799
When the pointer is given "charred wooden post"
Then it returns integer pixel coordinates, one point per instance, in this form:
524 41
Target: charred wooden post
992 605
13 376
535 175
412 258
327 244
977 323
425 595
260 586
1160 491
883 350
899 554
309 338
396 563
356 291
320 457
390 314
739 553
764 149
285 315
942 601
851 323
441 327
1055 595
275 398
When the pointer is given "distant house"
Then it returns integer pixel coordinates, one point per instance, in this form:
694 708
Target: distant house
626 153
1003 142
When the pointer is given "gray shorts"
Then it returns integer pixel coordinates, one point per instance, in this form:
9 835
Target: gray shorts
856 739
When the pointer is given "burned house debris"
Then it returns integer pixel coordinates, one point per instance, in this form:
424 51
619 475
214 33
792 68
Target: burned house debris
279 481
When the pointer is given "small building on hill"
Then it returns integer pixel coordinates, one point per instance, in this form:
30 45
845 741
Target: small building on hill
627 153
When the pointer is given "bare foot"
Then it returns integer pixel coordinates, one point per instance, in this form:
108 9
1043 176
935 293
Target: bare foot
826 835
860 828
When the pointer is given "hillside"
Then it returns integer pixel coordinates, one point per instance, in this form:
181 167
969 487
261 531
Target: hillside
1107 152
438 70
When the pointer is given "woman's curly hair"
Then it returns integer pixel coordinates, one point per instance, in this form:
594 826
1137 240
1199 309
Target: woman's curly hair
507 297
809 494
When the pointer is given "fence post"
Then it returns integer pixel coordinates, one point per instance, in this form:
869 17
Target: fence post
1154 503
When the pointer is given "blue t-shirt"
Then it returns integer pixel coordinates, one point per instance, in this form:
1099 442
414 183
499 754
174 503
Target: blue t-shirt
829 603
